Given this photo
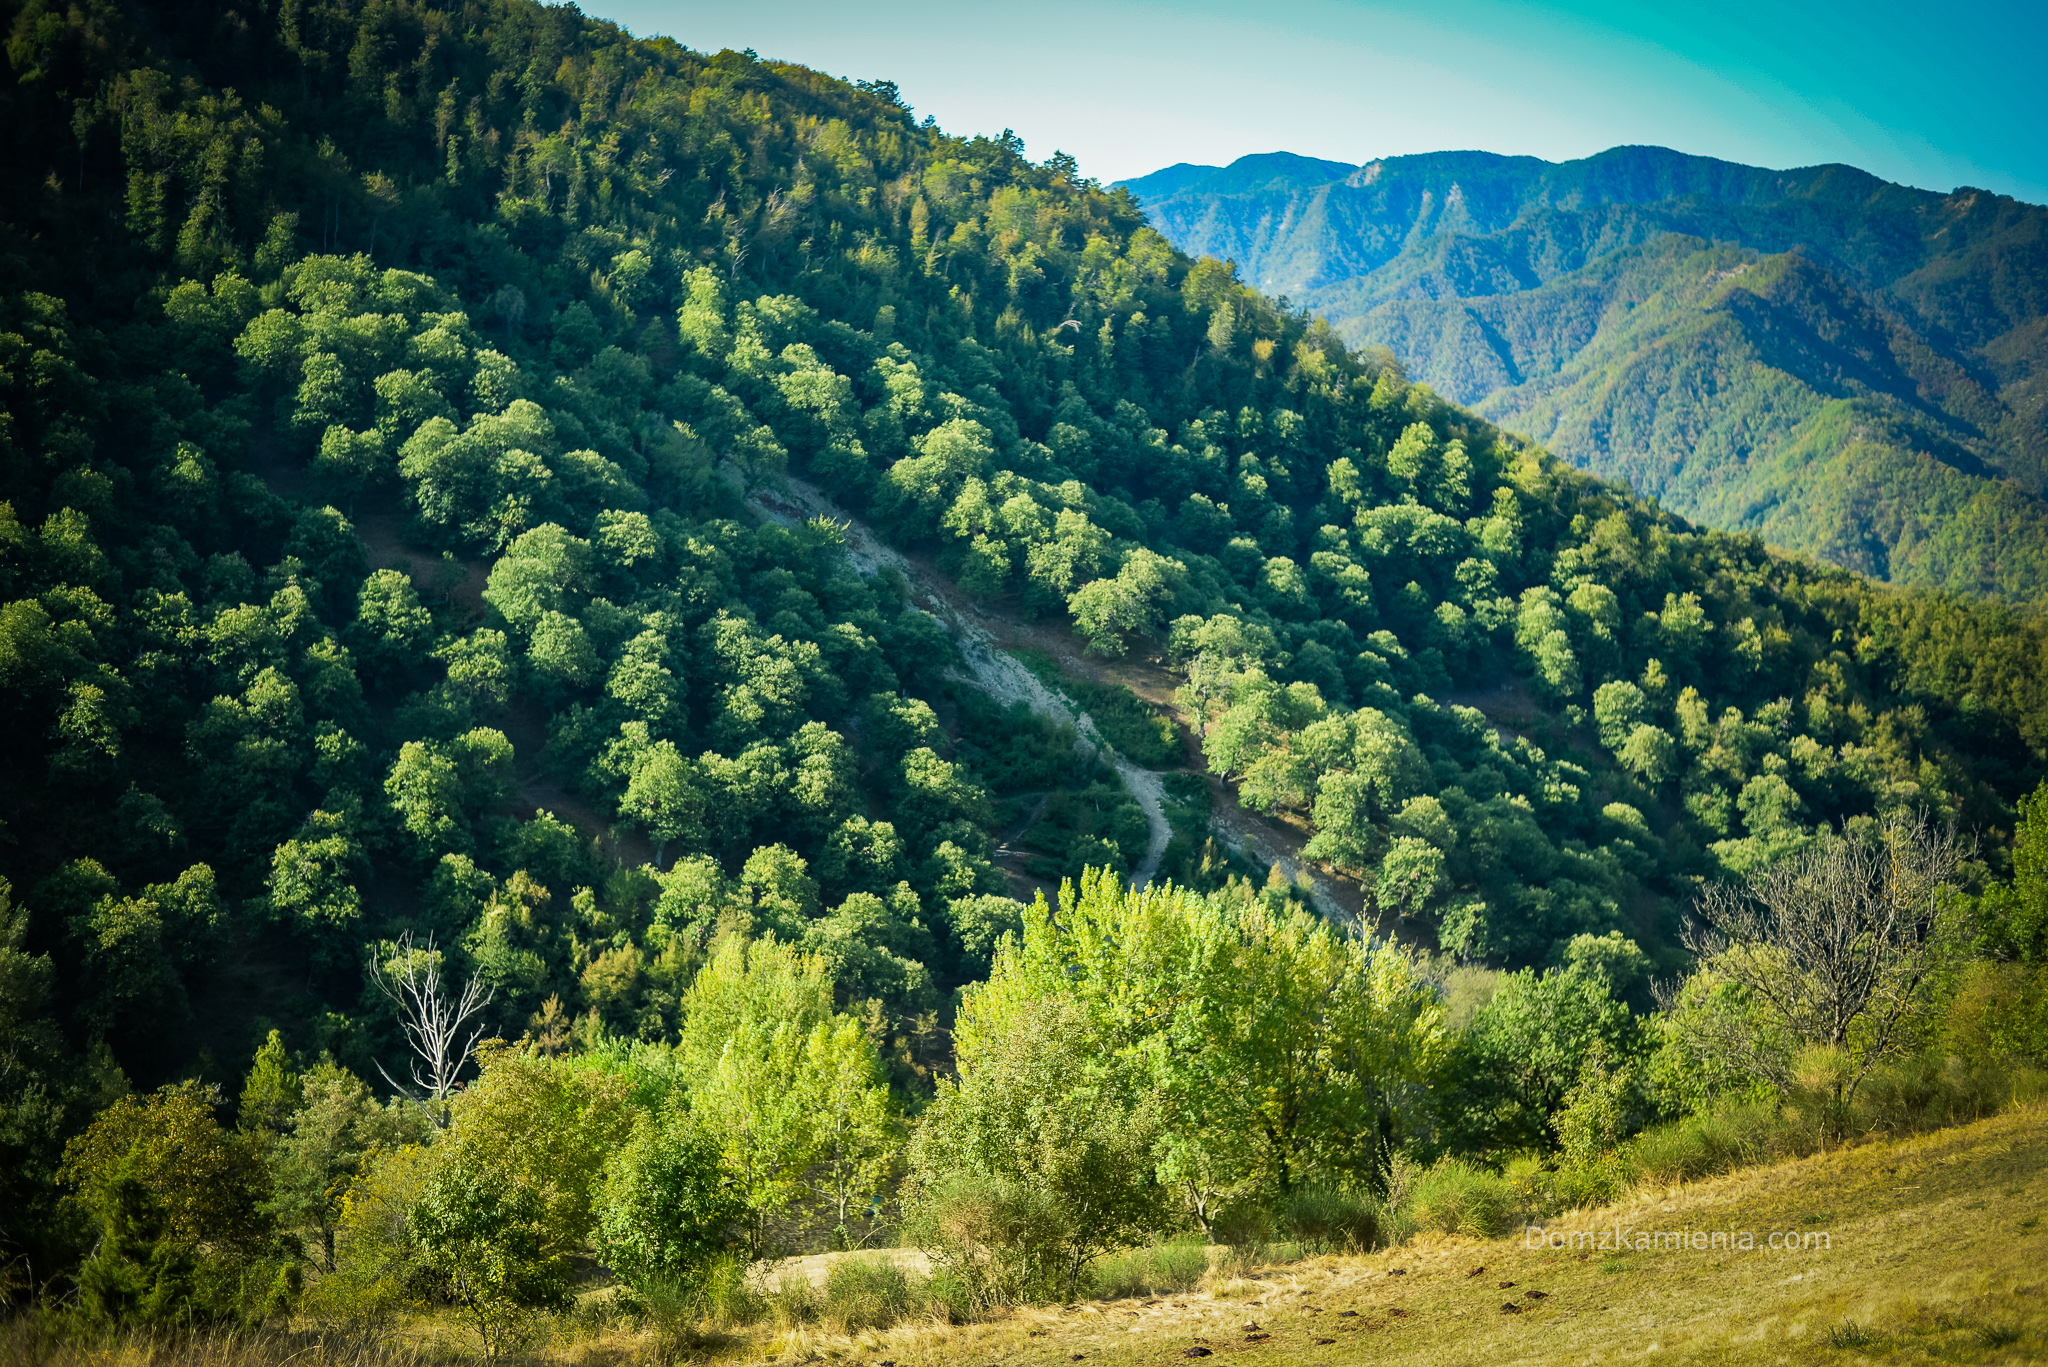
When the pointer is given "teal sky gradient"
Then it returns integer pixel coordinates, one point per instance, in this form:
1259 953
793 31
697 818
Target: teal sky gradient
1935 96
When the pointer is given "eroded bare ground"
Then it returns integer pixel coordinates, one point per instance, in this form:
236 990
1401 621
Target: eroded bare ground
454 580
1010 856
986 640
537 792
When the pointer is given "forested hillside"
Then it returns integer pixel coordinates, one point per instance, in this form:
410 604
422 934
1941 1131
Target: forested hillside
1847 367
391 393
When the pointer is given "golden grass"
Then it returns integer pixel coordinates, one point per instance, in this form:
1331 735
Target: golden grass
1939 1254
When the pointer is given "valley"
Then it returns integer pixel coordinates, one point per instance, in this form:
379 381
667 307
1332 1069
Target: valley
1848 368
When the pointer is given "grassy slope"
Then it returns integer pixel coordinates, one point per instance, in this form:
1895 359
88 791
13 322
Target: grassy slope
1940 1255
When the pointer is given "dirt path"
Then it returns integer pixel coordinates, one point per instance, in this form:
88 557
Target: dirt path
1274 845
985 640
991 667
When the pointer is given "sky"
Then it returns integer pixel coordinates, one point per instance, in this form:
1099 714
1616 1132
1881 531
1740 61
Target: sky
1930 95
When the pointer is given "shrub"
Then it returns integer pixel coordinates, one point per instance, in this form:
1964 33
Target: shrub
1706 1145
1328 1221
1457 1198
1930 1090
1160 1270
1021 1221
1243 1224
1140 733
949 1297
669 1309
664 1210
727 1298
867 1293
794 1301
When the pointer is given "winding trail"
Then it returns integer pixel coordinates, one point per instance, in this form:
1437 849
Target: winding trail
997 672
1256 842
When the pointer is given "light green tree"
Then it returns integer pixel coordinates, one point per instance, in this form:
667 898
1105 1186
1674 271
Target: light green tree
1038 1158
746 1020
855 1122
1109 611
664 1209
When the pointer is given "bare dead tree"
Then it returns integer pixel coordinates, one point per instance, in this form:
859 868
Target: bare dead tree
1838 943
434 1023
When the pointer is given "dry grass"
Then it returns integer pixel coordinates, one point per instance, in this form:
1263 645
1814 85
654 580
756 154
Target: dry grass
48 1341
1940 1254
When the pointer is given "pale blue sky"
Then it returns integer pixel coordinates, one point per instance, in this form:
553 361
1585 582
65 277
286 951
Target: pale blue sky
1931 95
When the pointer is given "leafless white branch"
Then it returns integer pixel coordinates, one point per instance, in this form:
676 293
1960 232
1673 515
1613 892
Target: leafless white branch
434 1023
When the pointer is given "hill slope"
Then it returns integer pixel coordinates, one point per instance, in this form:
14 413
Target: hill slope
1932 1253
1851 368
378 468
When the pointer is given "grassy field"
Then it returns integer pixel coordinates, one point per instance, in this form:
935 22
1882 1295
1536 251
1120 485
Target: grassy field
1930 1249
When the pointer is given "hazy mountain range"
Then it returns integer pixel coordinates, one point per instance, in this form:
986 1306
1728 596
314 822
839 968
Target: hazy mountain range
1850 367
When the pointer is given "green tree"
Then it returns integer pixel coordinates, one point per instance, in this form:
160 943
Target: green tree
855 1137
485 1237
1109 611
425 791
321 1148
348 462
1411 872
2013 917
311 875
1281 1051
163 1160
1037 1159
664 797
393 630
665 1209
272 1092
1506 1077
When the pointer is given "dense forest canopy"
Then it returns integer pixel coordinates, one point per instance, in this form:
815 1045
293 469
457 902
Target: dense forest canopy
389 390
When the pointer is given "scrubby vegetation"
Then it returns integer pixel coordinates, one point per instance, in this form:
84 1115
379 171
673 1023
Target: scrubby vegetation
473 858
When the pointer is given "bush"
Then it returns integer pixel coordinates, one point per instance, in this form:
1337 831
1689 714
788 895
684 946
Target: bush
794 1302
1245 1224
1161 1270
669 1309
867 1293
1140 733
1706 1145
1245 1230
949 1297
1326 1221
726 1297
1457 1198
1930 1090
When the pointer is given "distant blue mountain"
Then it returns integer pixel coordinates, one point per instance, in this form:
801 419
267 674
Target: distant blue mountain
1850 367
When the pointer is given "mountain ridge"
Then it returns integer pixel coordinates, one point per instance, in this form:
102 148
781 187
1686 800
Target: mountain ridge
1499 280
